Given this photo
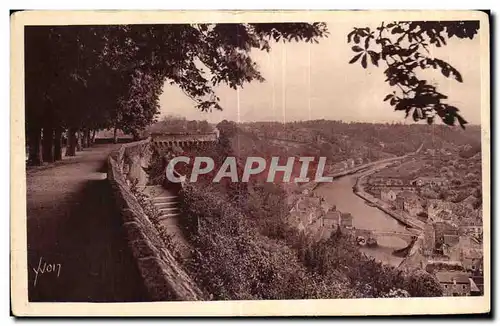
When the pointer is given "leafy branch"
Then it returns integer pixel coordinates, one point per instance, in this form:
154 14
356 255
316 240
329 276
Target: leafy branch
404 48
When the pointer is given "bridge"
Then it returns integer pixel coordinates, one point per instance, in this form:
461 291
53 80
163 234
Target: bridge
165 140
363 235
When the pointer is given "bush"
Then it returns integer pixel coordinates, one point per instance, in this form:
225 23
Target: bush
233 261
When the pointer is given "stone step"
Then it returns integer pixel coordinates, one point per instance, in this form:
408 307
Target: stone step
163 199
167 216
165 204
168 209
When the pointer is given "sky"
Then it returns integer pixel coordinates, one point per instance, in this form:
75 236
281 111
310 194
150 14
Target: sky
315 81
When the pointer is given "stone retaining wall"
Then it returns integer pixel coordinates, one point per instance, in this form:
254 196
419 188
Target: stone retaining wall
164 278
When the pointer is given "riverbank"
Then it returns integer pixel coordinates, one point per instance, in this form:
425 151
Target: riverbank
400 216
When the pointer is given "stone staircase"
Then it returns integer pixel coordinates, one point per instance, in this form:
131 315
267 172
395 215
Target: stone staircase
167 205
167 202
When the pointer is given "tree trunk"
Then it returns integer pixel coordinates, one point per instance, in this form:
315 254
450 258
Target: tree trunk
85 138
35 146
88 136
72 142
48 143
115 136
78 140
93 136
58 144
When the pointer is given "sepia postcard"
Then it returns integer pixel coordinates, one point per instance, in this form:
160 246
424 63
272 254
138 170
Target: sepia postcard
250 163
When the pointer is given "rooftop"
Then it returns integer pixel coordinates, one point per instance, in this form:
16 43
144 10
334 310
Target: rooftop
473 253
451 239
408 195
469 200
439 204
473 286
470 222
445 215
346 215
333 215
445 228
452 277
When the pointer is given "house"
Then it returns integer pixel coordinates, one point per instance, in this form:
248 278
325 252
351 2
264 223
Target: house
467 249
446 216
444 228
449 245
463 211
334 219
409 202
346 220
472 226
454 283
451 240
429 181
331 219
388 195
429 241
434 206
305 211
472 260
446 236
474 230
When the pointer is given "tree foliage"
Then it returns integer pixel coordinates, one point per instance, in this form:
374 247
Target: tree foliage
404 49
97 77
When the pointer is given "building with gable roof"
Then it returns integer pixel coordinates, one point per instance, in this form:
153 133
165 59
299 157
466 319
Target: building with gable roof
346 220
454 283
332 219
409 202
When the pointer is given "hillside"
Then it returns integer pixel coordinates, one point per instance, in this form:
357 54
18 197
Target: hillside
244 247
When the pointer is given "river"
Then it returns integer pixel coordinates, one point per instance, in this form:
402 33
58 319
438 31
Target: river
340 193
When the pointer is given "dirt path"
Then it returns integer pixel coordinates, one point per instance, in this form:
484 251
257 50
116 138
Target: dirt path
73 225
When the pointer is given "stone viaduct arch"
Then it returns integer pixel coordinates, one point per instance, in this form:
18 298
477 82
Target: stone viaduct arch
183 140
